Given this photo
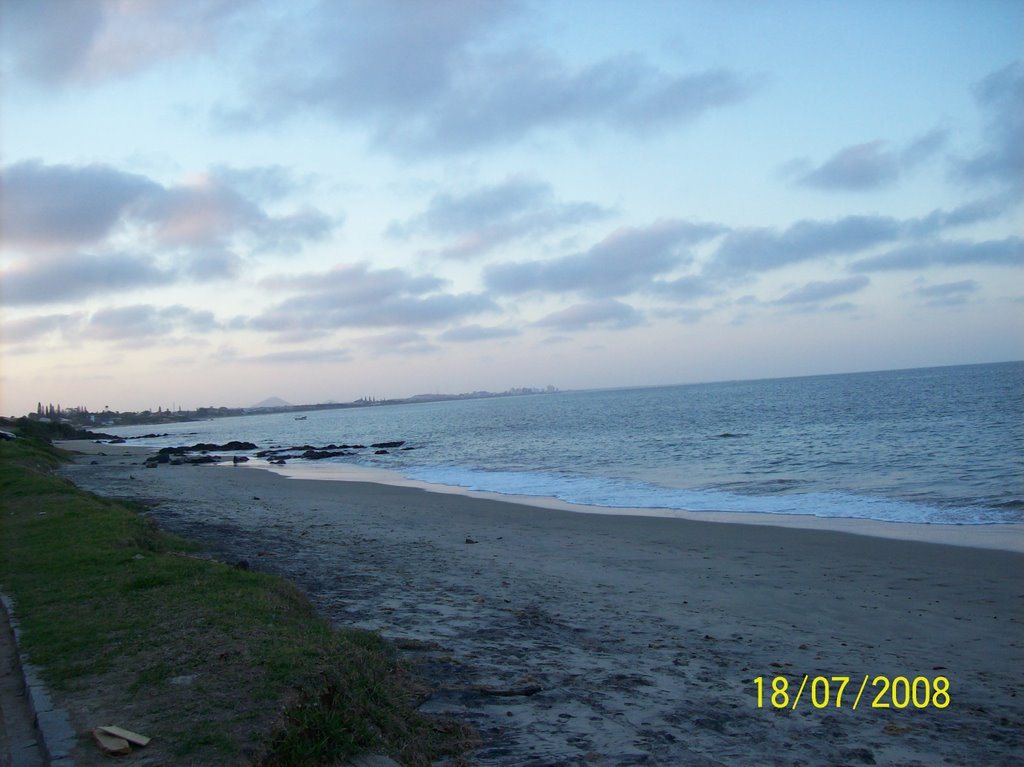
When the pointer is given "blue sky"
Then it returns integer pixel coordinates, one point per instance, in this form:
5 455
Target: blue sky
212 202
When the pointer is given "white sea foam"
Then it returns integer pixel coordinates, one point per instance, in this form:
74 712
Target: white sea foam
607 493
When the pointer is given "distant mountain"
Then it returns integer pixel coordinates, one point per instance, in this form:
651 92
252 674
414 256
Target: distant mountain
273 402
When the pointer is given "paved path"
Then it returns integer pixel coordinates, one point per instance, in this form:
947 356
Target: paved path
18 737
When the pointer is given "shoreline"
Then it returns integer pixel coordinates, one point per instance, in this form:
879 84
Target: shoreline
1000 536
581 639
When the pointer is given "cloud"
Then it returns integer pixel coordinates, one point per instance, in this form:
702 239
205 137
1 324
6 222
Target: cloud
70 221
300 357
357 284
947 293
214 263
131 326
204 210
48 208
490 216
52 207
34 329
472 333
975 211
625 261
606 313
688 288
399 342
430 79
1005 252
77 277
354 295
134 325
863 166
746 251
505 98
873 164
86 41
1001 97
814 292
923 148
262 182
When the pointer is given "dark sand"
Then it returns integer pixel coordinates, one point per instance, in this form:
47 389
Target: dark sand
643 635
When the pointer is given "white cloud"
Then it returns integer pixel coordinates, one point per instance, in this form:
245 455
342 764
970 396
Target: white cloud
606 313
1005 252
873 164
488 217
56 42
625 261
428 78
824 290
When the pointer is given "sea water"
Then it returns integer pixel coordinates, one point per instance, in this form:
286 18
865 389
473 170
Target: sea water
936 445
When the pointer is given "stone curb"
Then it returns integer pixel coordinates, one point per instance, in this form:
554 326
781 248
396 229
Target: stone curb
57 737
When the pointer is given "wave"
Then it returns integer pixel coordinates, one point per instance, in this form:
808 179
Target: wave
602 492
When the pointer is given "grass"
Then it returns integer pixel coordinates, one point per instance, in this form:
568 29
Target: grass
108 602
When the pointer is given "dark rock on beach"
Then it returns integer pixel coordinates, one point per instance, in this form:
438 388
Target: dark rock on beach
208 447
316 455
388 444
233 445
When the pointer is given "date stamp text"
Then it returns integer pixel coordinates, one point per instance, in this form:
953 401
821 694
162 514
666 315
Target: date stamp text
840 691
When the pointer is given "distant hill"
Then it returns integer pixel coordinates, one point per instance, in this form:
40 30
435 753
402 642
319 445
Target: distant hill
273 402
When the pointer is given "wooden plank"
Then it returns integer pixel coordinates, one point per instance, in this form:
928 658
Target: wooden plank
132 737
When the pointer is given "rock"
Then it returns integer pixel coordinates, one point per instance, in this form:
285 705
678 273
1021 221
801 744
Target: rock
316 455
233 445
117 441
209 447
381 452
110 744
389 444
237 459
862 755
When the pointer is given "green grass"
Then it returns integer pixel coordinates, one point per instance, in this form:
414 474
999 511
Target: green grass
99 589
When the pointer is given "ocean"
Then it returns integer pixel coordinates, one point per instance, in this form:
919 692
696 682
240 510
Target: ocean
936 445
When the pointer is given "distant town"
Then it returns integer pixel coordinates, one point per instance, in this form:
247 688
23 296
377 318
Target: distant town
81 417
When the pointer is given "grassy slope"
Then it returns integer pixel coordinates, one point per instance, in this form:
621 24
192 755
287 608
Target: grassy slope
100 590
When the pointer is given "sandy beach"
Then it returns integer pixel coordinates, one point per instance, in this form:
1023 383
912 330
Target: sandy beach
594 639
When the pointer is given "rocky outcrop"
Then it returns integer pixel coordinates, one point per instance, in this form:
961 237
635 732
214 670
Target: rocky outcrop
208 447
273 455
316 455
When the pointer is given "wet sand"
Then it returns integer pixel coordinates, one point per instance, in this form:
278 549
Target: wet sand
579 639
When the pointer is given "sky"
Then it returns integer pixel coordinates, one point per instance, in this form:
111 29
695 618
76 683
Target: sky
212 202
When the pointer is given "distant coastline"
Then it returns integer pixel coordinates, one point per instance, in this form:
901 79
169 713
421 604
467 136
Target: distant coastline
82 418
